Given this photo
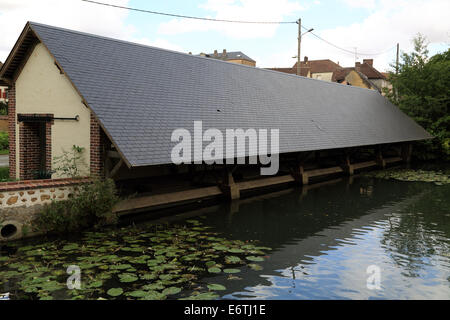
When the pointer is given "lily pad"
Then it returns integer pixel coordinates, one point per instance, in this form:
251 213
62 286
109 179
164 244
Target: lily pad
216 287
256 259
137 294
232 260
128 277
255 267
115 292
203 296
209 264
231 270
171 291
214 270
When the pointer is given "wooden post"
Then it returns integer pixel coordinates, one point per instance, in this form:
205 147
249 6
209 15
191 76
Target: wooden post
228 186
406 152
379 159
347 166
300 175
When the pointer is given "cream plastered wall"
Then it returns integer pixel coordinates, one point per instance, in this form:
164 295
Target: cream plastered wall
41 88
325 76
355 80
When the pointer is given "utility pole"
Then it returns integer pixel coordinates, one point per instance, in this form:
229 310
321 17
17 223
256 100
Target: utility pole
299 44
396 71
396 61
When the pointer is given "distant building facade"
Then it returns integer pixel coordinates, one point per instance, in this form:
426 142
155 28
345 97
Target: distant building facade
3 90
233 56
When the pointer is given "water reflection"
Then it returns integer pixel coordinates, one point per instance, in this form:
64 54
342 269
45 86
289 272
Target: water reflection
325 240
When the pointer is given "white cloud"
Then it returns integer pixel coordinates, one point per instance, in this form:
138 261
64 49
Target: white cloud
247 10
391 22
368 4
71 14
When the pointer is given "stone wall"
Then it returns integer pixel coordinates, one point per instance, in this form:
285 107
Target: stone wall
21 201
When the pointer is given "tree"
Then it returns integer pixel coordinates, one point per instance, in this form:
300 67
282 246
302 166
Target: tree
421 89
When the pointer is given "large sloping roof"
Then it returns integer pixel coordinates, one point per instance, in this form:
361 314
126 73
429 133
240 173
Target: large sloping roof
140 94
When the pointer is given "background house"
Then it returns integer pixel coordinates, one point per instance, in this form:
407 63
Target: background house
362 75
234 56
3 90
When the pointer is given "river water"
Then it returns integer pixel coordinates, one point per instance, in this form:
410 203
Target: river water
361 239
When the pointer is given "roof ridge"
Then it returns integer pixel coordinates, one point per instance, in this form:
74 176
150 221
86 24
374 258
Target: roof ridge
235 65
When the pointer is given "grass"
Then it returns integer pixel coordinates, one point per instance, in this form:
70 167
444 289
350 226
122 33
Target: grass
3 152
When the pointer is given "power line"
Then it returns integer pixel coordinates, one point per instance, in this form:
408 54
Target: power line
188 17
234 21
346 50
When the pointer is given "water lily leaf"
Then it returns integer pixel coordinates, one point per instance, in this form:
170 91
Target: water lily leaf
214 270
96 284
137 294
231 270
216 287
220 248
210 264
232 259
235 250
171 291
255 267
127 277
153 286
71 246
121 266
154 295
203 296
115 292
253 258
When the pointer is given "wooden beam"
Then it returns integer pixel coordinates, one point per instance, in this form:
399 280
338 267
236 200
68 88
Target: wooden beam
113 154
115 169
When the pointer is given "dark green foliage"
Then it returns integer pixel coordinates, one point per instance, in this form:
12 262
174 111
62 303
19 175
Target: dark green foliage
90 206
3 108
421 89
4 140
4 174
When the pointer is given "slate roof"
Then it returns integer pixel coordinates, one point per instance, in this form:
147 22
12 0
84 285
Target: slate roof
140 94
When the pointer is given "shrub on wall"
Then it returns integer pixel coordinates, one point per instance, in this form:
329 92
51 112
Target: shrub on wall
90 206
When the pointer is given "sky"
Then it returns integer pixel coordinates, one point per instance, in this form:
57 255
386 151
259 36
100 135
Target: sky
372 28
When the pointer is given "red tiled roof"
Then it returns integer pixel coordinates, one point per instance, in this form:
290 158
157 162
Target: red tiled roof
319 66
370 72
303 71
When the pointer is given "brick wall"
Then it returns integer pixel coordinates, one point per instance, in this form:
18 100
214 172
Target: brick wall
97 146
12 131
32 149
